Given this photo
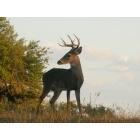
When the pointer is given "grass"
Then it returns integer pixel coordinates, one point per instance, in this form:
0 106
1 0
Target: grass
25 112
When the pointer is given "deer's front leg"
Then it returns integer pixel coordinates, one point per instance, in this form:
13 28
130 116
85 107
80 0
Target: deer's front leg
77 94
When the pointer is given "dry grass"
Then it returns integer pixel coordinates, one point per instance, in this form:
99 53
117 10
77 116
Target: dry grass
26 113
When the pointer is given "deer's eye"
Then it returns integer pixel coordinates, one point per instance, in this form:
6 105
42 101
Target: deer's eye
68 55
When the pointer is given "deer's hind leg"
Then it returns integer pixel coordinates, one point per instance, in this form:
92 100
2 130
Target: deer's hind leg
43 95
54 98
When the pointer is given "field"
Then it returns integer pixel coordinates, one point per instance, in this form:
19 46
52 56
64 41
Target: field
25 112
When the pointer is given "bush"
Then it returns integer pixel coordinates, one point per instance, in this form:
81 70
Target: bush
98 110
21 64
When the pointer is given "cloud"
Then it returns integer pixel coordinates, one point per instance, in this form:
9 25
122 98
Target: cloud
130 76
117 67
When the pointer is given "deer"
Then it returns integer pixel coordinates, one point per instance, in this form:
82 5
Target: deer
58 79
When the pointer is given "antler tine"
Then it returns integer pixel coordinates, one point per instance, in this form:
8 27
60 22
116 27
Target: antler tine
72 41
64 43
78 41
60 45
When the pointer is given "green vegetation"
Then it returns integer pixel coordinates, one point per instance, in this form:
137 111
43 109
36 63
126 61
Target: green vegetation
21 66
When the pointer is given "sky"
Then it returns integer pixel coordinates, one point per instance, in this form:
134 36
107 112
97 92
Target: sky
110 57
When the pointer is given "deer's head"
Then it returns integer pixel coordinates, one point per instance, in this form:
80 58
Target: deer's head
72 56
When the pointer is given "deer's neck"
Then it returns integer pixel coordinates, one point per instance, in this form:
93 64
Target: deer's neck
77 69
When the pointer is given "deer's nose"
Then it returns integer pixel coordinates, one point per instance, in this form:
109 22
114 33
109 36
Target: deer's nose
59 62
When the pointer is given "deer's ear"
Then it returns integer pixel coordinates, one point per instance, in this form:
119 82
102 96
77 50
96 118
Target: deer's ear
78 50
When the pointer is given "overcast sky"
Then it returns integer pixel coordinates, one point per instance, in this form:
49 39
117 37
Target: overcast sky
110 57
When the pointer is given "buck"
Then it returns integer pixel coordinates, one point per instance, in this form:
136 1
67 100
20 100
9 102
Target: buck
57 79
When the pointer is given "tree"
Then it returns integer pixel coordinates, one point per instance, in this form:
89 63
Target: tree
21 63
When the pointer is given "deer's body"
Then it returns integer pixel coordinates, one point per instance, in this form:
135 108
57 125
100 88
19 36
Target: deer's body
64 79
57 80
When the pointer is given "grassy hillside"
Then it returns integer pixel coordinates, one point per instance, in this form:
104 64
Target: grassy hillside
25 112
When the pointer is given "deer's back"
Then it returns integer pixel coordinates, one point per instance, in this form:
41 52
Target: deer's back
63 79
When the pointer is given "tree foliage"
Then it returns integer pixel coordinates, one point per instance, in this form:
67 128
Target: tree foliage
21 63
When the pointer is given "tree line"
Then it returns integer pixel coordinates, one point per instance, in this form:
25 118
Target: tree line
21 64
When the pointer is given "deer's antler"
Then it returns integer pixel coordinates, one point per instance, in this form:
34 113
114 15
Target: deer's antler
72 45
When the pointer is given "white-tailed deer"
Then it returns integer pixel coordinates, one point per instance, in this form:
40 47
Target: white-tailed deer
57 80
